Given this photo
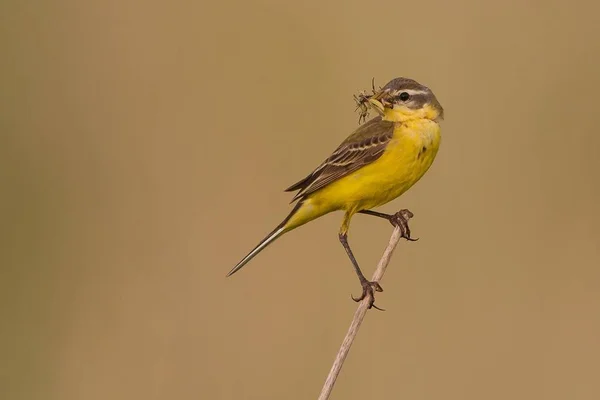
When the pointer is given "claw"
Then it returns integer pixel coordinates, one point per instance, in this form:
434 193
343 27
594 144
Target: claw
368 290
400 220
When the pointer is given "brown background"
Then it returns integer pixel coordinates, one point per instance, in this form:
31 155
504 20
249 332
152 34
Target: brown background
144 149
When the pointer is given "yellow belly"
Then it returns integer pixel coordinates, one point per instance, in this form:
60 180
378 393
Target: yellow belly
407 157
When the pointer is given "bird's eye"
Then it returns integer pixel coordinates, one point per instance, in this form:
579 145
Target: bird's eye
404 96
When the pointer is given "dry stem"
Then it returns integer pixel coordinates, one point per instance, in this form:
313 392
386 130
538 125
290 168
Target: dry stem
359 315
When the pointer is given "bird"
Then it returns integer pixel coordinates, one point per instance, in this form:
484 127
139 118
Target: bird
378 162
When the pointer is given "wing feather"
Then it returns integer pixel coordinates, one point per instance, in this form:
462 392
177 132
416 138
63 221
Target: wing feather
361 148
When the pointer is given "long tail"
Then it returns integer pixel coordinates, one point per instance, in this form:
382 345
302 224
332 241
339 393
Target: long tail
277 232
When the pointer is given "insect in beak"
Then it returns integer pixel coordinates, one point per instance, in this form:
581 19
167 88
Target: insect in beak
378 100
377 105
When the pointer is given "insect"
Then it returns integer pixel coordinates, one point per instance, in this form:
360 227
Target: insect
365 101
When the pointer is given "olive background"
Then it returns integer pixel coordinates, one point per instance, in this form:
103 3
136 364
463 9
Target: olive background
144 146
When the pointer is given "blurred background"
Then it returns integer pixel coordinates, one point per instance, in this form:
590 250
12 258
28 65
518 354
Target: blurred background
144 147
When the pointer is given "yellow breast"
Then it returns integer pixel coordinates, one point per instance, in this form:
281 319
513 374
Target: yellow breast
408 156
406 159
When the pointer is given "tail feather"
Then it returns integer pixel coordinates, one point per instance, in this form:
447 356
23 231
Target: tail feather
277 232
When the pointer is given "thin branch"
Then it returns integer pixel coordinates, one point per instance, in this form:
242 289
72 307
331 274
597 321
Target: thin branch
359 315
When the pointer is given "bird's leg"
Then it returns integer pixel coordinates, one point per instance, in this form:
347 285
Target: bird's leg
368 287
400 220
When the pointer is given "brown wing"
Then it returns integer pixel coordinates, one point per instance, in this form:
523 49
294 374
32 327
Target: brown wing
361 148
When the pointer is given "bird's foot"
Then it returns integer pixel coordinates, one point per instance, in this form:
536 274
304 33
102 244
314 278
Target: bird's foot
368 290
400 220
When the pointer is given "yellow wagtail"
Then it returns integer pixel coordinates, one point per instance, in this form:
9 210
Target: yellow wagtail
381 160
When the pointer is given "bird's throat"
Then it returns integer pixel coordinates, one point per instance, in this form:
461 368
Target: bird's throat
403 114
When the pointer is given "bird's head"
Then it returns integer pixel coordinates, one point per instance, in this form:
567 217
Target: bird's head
403 99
